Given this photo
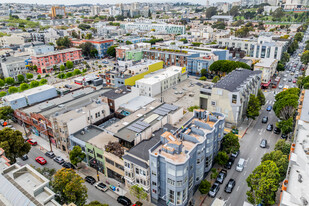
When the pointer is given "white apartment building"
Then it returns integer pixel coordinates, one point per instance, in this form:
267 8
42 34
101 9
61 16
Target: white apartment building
268 68
167 28
12 66
95 10
14 39
157 82
262 47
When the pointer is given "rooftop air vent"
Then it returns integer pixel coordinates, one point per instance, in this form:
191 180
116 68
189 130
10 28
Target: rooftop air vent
305 202
300 178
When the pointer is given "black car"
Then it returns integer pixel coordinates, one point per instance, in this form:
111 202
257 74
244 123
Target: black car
284 136
124 200
265 119
229 163
24 157
277 130
214 189
230 186
59 160
290 80
221 176
269 127
68 165
50 154
235 154
90 180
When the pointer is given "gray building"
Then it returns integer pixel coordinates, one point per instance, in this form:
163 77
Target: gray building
13 66
182 158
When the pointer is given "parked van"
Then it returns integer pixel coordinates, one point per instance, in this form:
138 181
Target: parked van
240 165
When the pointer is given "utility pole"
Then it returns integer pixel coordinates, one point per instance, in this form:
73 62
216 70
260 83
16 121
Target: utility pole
50 145
96 164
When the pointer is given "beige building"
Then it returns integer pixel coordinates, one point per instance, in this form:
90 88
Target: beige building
14 39
268 68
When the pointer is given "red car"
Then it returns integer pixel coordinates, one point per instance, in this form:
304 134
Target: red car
41 160
32 142
294 81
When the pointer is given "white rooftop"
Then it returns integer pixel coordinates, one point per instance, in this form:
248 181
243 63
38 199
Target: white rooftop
266 62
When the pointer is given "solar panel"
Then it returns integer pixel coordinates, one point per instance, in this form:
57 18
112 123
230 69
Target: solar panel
170 107
143 123
160 112
134 129
138 126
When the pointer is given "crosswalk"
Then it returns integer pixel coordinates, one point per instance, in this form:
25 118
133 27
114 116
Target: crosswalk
269 102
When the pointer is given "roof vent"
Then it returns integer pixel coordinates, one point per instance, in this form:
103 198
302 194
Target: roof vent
82 132
305 202
300 178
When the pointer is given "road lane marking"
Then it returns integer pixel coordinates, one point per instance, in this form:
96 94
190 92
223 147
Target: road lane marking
251 158
245 173
255 148
237 188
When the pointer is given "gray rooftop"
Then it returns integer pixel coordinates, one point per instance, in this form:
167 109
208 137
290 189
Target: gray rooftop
305 110
234 79
119 92
12 60
137 103
88 133
135 161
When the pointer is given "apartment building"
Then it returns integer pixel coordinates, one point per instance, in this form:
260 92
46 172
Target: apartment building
14 39
13 66
262 47
131 52
182 158
157 82
294 189
57 11
37 50
196 64
100 45
45 62
147 26
230 96
268 68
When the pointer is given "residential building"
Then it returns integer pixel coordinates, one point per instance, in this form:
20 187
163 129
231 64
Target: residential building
230 96
12 66
95 10
131 52
14 39
157 82
57 11
294 189
196 64
182 158
37 50
268 68
295 4
146 26
222 17
45 62
100 45
262 47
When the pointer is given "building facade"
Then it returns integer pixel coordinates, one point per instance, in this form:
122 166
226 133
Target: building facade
13 66
167 28
195 65
100 45
57 11
268 68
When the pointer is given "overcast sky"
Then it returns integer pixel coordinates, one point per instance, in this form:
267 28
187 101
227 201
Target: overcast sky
203 2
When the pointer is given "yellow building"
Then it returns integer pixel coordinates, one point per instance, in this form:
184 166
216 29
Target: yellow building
57 11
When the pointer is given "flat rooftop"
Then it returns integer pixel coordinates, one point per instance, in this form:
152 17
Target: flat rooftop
116 93
136 103
305 109
13 60
160 75
58 52
102 139
88 133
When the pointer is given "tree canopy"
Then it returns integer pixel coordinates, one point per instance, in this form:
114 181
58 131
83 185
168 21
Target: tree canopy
64 42
261 97
226 66
211 11
96 203
286 106
111 51
77 155
281 161
230 143
6 112
254 107
221 158
204 186
138 192
88 49
283 146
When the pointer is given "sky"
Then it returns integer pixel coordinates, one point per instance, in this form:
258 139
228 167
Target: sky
202 2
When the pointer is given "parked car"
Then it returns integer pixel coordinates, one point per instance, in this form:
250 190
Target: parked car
214 190
68 86
240 165
24 157
290 80
229 163
284 136
32 142
124 200
101 186
265 119
280 86
277 130
269 108
221 176
270 127
263 143
235 154
68 165
294 81
50 154
41 160
230 186
90 180
59 160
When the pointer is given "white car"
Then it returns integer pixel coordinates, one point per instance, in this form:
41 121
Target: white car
280 86
284 79
285 75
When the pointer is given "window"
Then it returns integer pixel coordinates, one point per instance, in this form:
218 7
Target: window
179 183
234 98
154 183
213 103
171 171
185 180
109 161
190 182
154 191
179 172
137 171
179 198
153 173
90 151
170 181
99 156
119 166
171 196
184 195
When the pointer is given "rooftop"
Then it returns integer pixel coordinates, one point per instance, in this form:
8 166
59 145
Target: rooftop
13 60
87 133
305 109
119 92
267 62
101 139
136 103
57 52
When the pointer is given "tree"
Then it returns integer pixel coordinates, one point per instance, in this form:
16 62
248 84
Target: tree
13 143
280 67
263 183
34 84
242 32
23 87
69 188
20 78
43 81
84 27
96 203
69 64
299 36
261 97
74 34
64 42
1 83
88 36
254 107
204 187
13 90
286 126
62 68
203 72
6 112
128 42
77 155
35 68
230 143
215 79
211 11
2 93
29 76
184 40
61 76
221 158
46 172
281 161
286 106
234 11
138 192
278 13
76 72
305 57
38 77
203 78
226 66
9 80
214 173
111 51
283 146
285 57
88 49
69 74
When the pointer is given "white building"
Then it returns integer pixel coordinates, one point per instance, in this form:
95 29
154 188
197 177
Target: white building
268 68
157 82
168 28
12 66
95 10
14 39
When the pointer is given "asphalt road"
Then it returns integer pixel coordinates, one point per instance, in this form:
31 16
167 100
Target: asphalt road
93 193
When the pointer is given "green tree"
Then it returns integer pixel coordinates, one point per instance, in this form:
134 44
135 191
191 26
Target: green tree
278 13
214 173
184 40
9 80
13 143
138 192
46 172
2 93
221 158
29 76
69 187
211 11
43 81
242 32
38 77
305 57
24 86
128 42
69 64
34 83
203 72
77 155
111 51
203 78
88 36
280 67
69 74
254 107
1 83
230 143
87 49
6 112
261 97
96 203
226 66
286 126
13 90
35 68
283 146
64 42
215 79
299 36
263 183
61 76
234 11
62 68
20 78
204 187
286 106
76 72
190 109
84 27
281 161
